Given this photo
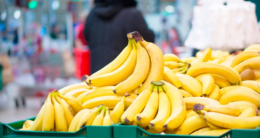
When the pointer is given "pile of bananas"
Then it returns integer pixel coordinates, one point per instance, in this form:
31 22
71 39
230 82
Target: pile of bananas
204 95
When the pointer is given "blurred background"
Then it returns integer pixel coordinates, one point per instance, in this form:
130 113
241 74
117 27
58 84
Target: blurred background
42 46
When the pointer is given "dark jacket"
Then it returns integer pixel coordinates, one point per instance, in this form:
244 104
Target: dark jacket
105 31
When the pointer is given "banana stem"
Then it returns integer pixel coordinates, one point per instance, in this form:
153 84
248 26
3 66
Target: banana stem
157 83
135 35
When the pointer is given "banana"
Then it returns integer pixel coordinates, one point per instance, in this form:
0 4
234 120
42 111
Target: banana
201 68
117 62
178 109
98 121
143 119
191 114
137 106
244 56
109 101
201 130
170 77
230 88
229 109
247 113
27 124
252 84
74 122
107 119
48 115
118 111
140 72
73 102
217 61
98 92
164 112
206 55
215 94
252 63
216 132
171 57
190 85
219 80
59 116
188 59
191 101
156 67
257 74
207 84
244 105
173 64
185 93
191 124
81 96
93 115
178 70
212 126
118 75
253 47
247 74
67 110
75 93
241 95
72 87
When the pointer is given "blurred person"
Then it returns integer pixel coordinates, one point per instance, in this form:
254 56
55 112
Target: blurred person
54 32
107 26
80 41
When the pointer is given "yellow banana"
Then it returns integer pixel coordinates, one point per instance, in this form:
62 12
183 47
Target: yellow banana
231 75
156 67
201 130
244 105
81 96
72 87
207 83
75 93
185 93
118 75
169 76
230 88
98 92
178 70
173 64
247 113
191 114
117 62
253 47
27 124
136 107
38 121
216 132
59 116
206 55
191 101
164 112
178 109
252 84
252 63
75 121
48 115
73 102
109 101
257 74
215 94
212 126
191 124
143 119
244 56
171 57
118 111
98 121
190 85
229 109
140 72
188 59
107 119
241 95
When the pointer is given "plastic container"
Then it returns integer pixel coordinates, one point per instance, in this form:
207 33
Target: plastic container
11 131
82 62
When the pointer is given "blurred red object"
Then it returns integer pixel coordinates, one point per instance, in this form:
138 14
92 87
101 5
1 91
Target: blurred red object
82 62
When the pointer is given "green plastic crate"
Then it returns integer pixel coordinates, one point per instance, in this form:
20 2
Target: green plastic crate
10 130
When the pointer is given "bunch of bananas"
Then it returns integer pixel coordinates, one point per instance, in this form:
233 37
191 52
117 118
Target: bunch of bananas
174 63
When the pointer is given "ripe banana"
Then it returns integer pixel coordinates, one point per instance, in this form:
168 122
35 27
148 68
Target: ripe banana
173 64
230 88
143 119
191 101
241 95
171 57
156 67
201 130
81 96
247 113
98 121
206 55
48 115
73 102
72 87
107 119
98 92
252 63
215 94
216 132
191 114
118 111
229 109
169 76
75 93
207 83
219 80
59 116
74 122
257 74
178 70
27 124
117 62
191 124
164 112
212 126
244 105
190 85
38 121
253 47
231 75
118 75
185 93
137 106
244 56
252 84
140 72
109 101
178 109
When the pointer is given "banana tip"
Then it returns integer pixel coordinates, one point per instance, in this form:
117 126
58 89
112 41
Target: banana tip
138 118
126 120
165 126
84 77
152 125
114 91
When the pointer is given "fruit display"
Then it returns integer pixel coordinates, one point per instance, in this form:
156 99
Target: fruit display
208 95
